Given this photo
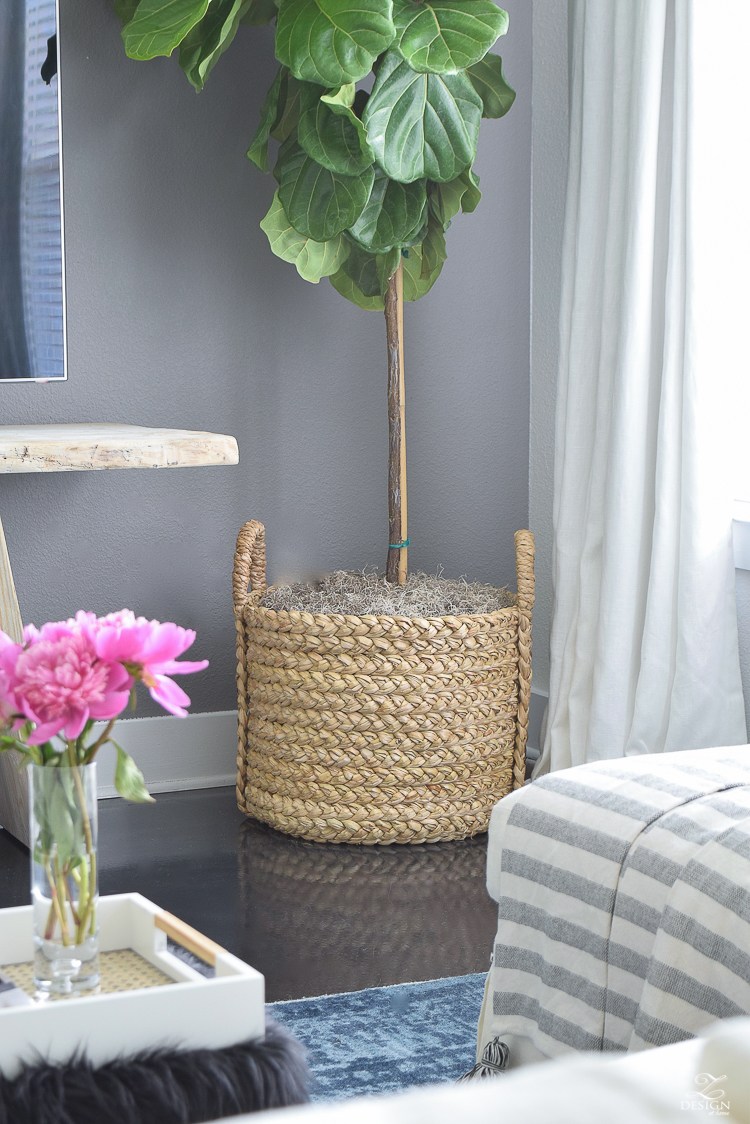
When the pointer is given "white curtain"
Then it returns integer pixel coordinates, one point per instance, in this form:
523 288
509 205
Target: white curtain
644 653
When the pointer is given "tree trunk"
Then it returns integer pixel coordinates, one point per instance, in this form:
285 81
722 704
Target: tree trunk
396 563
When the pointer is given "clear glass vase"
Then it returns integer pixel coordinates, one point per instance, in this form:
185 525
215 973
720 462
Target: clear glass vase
64 878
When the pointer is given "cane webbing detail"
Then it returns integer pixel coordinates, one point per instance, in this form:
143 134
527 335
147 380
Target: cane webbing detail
120 970
378 729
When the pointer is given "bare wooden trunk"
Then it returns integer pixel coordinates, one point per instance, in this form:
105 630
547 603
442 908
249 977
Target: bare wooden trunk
397 562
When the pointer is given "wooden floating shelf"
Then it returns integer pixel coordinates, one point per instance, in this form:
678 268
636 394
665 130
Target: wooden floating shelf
82 447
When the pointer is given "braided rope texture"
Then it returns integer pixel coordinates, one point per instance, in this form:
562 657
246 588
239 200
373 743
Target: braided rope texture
378 729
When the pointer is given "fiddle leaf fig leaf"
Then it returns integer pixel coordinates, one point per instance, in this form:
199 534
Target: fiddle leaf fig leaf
362 268
471 198
313 260
422 125
129 780
415 285
125 9
330 132
319 203
445 36
393 214
344 285
370 272
258 150
488 80
158 26
432 249
447 199
206 42
332 42
260 12
289 103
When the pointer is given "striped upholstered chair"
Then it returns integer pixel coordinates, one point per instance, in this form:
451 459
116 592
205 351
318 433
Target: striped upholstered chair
623 891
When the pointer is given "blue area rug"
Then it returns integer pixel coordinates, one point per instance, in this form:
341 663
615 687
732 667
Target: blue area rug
387 1038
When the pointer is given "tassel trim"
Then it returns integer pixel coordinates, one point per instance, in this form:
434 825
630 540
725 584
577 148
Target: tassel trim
494 1061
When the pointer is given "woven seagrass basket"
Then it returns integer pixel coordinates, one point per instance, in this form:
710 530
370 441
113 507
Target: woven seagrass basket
378 729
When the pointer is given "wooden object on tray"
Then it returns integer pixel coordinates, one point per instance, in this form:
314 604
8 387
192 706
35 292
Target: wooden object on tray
378 729
185 1008
83 447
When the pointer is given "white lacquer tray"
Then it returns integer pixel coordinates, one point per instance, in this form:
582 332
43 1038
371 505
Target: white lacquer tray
166 1002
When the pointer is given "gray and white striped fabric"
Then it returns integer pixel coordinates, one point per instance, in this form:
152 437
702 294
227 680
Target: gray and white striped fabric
623 891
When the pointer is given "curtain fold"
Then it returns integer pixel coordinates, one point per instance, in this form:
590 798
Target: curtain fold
644 652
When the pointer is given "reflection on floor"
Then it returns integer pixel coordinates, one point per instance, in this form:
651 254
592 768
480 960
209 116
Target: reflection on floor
315 918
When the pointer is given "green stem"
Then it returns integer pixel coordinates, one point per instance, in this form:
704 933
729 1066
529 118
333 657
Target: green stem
73 910
60 896
49 929
92 750
92 898
55 899
87 913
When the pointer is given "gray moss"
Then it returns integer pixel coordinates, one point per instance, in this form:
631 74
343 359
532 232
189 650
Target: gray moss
367 593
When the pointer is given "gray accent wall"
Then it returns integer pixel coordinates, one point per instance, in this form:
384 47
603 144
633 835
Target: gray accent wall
179 315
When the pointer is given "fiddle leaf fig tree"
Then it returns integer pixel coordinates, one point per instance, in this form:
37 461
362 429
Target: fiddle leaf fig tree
376 108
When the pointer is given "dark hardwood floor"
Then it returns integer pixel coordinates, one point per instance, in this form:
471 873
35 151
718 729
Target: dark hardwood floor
314 918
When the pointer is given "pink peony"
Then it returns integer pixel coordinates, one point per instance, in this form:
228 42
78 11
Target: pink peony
149 650
60 683
9 653
54 630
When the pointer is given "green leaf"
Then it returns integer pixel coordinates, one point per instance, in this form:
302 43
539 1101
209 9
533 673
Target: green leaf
347 288
260 12
203 45
393 215
331 133
415 285
289 106
318 203
472 197
313 260
370 272
445 36
258 150
332 42
30 752
126 9
447 199
488 80
60 819
158 26
432 249
422 124
129 780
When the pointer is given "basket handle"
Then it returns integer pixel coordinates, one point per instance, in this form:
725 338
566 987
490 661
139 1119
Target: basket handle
249 562
524 541
188 937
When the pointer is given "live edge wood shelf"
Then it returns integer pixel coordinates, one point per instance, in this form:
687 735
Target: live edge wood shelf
84 447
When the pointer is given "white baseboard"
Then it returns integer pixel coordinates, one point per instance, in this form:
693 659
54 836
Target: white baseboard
174 754
537 706
200 751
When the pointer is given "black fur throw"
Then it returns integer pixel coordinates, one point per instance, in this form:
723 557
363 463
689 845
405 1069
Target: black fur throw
161 1086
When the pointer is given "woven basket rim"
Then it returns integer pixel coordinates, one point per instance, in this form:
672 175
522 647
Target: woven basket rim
254 597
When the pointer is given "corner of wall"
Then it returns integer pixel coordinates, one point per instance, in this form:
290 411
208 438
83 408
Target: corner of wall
549 153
